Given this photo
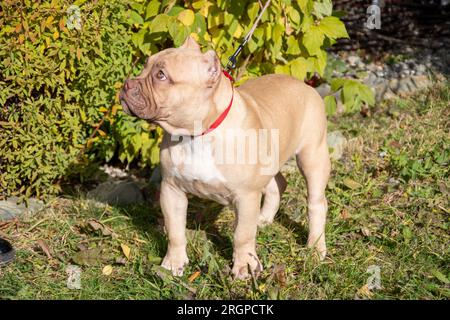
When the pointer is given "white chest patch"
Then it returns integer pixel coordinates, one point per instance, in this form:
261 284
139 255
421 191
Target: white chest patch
193 160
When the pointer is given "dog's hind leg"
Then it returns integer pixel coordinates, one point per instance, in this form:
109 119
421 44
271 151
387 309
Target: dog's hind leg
272 197
314 163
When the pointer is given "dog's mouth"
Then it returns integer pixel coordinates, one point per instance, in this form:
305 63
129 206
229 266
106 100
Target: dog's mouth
134 103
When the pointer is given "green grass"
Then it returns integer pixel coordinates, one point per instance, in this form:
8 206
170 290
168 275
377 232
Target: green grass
388 206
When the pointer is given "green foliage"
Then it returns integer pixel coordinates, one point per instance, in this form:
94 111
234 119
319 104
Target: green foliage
353 94
291 38
56 84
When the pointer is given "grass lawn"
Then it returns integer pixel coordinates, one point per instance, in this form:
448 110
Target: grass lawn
388 208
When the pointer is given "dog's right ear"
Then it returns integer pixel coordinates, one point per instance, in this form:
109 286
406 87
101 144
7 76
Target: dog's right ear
214 68
190 43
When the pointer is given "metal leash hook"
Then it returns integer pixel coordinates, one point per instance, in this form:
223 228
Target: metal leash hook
232 60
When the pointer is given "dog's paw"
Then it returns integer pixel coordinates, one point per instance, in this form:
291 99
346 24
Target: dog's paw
319 246
175 263
244 262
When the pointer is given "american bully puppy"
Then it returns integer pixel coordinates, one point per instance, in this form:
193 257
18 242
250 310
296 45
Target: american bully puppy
227 144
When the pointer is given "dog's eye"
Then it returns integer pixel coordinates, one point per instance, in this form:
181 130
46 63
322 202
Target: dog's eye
161 76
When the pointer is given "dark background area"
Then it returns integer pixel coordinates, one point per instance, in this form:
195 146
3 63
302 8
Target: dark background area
404 23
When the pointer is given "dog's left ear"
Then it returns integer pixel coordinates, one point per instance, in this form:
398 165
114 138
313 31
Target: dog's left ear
190 43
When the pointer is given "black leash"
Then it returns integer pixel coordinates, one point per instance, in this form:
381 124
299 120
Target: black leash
232 60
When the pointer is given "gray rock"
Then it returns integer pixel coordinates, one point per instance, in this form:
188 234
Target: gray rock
421 81
336 143
405 86
380 90
9 209
353 60
324 89
372 79
156 178
420 69
119 192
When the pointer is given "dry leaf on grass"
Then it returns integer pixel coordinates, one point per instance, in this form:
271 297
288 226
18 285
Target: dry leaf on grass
364 293
44 247
107 270
96 226
279 272
351 184
89 257
126 250
194 276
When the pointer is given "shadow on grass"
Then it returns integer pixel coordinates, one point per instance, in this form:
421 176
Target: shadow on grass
202 215
300 232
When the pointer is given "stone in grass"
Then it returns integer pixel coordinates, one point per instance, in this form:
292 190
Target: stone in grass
336 144
324 89
9 209
118 192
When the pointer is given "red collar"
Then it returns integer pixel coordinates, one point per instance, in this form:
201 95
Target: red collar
224 114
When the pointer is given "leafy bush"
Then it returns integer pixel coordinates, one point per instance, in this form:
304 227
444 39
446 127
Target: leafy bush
56 83
59 81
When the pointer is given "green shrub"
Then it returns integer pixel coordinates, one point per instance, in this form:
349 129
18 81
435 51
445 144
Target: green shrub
55 85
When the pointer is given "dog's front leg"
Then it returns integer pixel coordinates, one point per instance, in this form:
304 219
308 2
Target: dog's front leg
174 207
244 254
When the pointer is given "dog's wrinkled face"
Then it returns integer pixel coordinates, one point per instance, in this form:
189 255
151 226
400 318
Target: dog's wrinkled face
175 87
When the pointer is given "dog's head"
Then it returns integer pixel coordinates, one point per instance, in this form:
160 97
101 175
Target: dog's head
175 88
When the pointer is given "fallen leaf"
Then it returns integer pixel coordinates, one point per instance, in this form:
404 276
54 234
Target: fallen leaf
44 247
279 273
351 184
126 250
395 144
440 276
365 231
88 257
364 292
154 260
107 270
194 276
96 225
164 274
121 261
344 214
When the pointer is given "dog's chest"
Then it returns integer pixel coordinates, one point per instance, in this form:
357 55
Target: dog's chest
195 169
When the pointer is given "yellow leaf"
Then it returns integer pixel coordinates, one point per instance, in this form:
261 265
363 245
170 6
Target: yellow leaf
49 21
186 17
126 250
364 292
238 32
102 133
78 53
194 35
18 28
204 11
56 35
21 38
115 108
194 276
207 37
107 270
103 109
